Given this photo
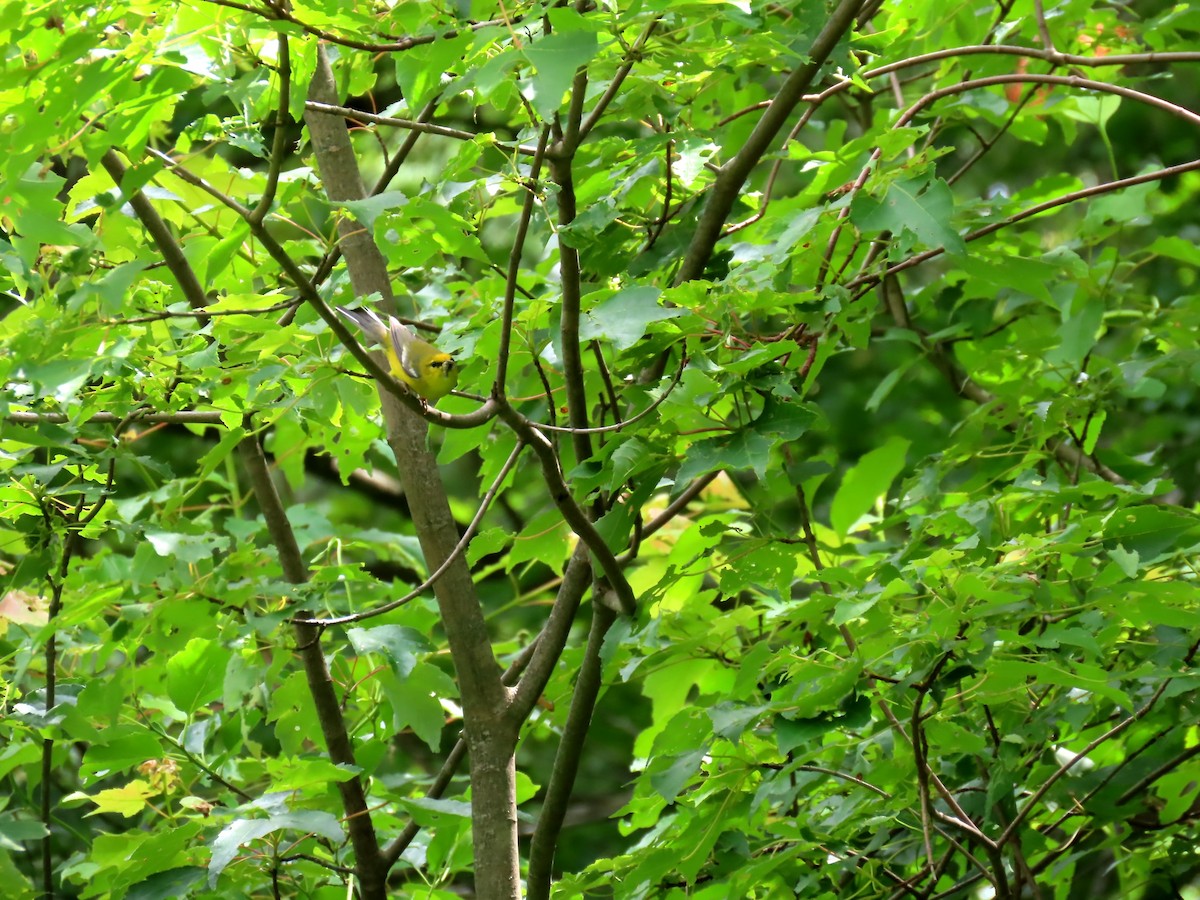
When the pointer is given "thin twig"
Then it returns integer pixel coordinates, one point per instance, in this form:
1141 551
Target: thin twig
632 55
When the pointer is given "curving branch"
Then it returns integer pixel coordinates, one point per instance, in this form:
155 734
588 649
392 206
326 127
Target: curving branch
280 12
624 423
909 114
1036 797
571 512
459 548
864 283
1071 81
843 84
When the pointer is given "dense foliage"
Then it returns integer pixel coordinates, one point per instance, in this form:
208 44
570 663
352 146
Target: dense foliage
817 516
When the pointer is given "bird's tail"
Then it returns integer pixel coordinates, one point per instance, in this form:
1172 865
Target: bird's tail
370 324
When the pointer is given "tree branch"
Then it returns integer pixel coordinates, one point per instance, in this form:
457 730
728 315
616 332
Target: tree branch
733 174
566 761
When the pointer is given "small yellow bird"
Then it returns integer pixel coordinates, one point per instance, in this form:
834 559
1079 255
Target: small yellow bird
430 373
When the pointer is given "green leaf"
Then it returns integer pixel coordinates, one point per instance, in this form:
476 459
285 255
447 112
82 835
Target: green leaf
624 318
745 449
786 421
118 750
189 548
1150 604
196 674
15 831
1178 791
1008 673
849 610
1078 334
417 703
1126 560
369 210
817 686
670 781
243 831
431 811
769 566
1151 532
419 69
916 206
291 774
865 482
168 885
127 800
1095 109
555 59
730 720
401 646
132 857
